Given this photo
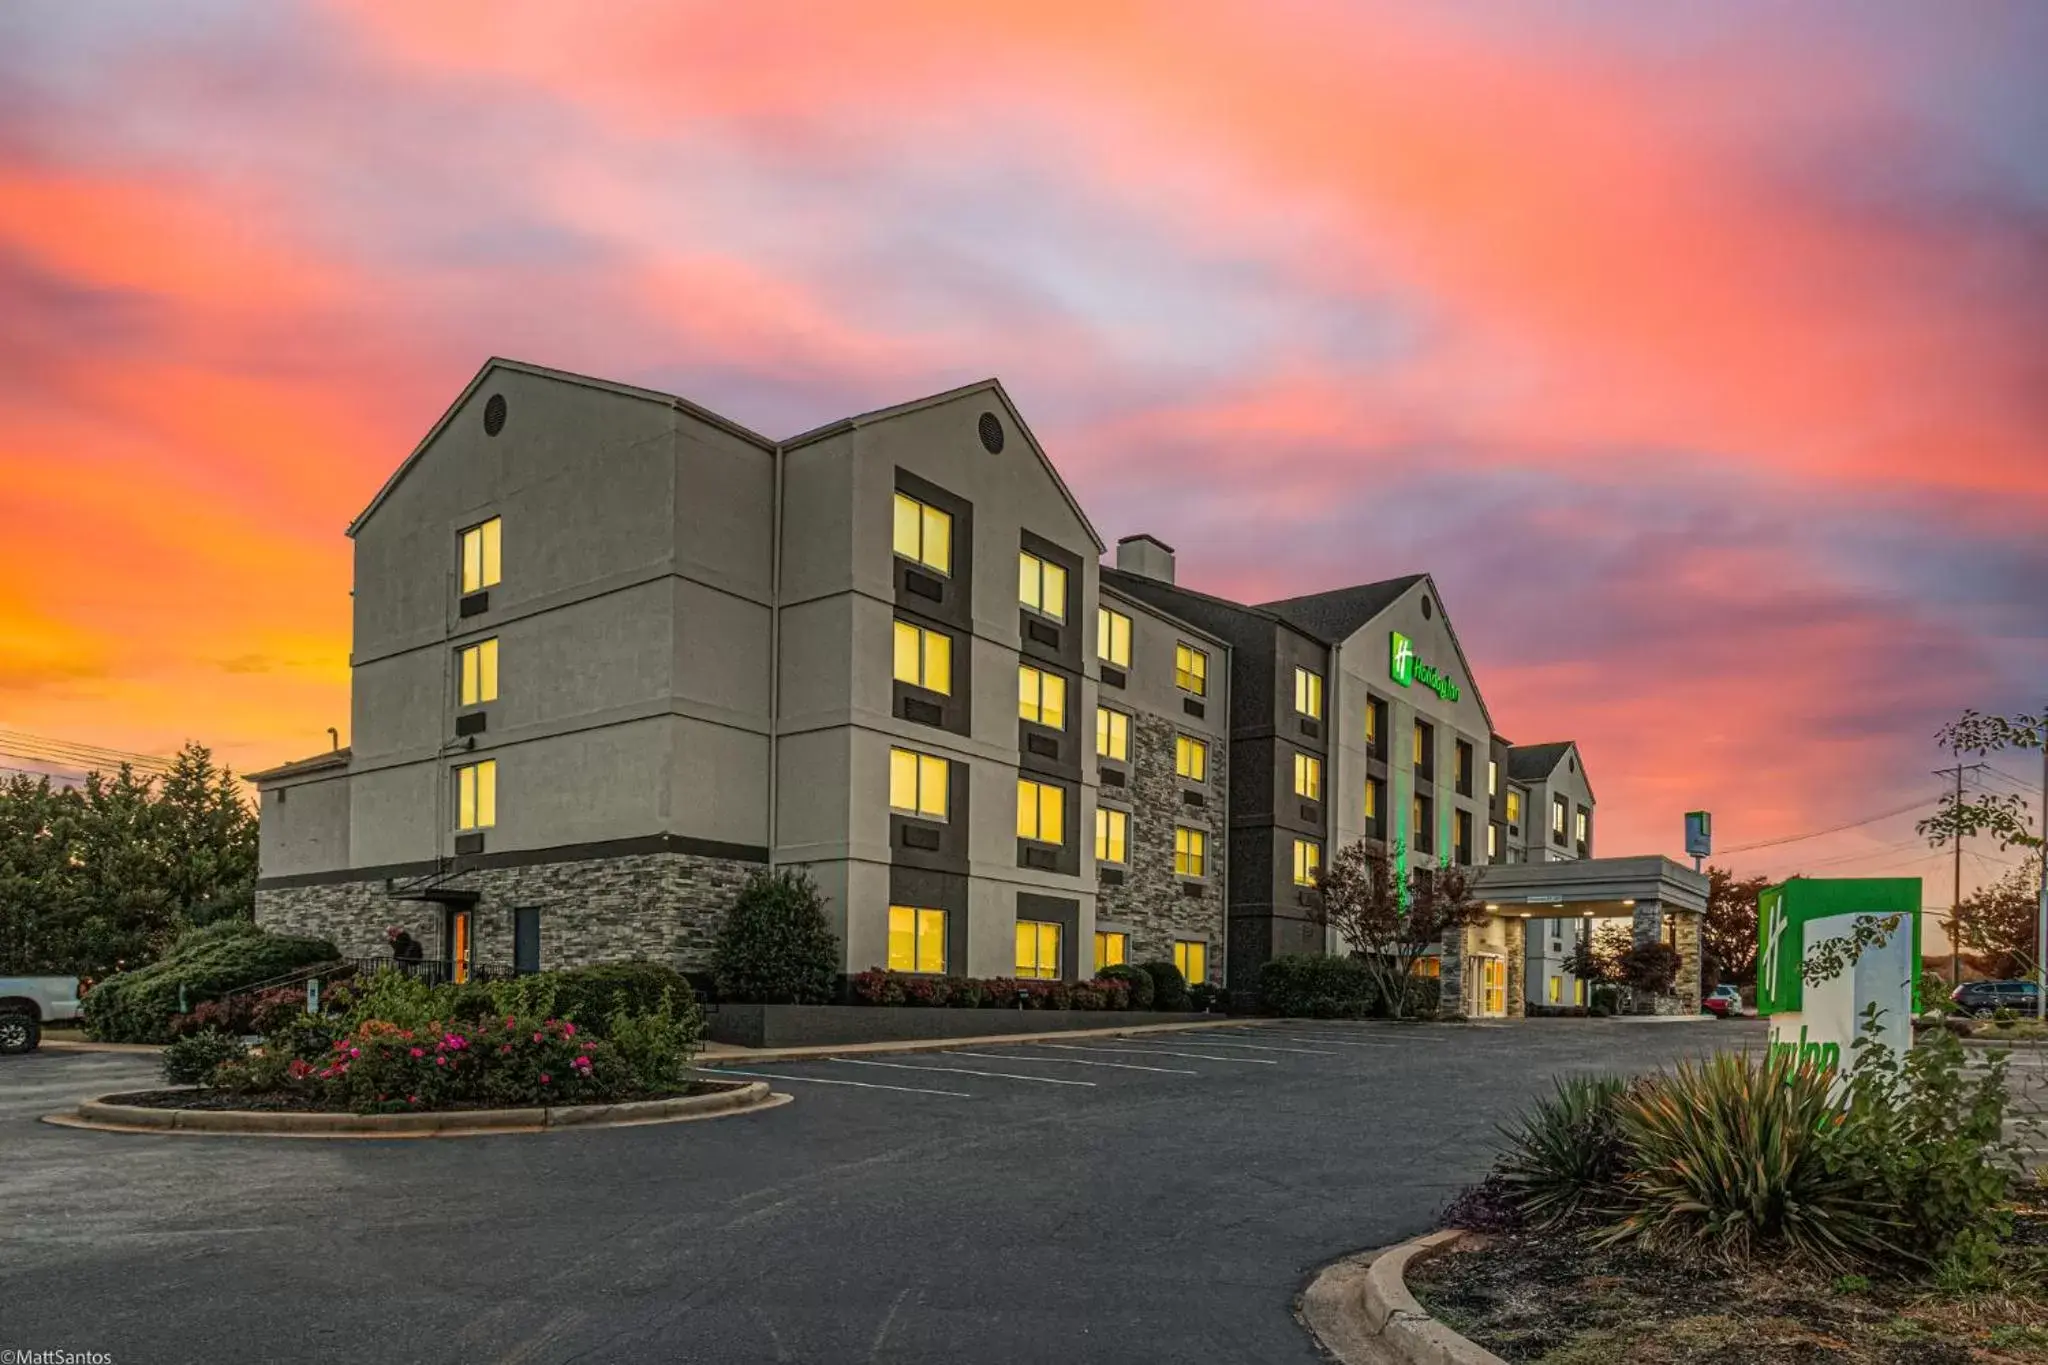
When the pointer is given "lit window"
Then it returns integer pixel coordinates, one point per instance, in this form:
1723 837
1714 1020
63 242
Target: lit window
1492 777
1112 734
1042 586
1308 776
1308 693
1111 949
917 784
1041 697
1373 708
1038 949
1429 967
1113 637
1514 807
1041 811
476 795
924 534
479 672
1421 745
1372 798
1191 758
1190 852
1191 670
917 939
1112 827
1192 957
1308 861
1581 834
1579 991
1557 815
480 556
1492 841
924 658
1556 990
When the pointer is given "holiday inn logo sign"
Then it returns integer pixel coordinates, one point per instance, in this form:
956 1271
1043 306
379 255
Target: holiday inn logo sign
1406 668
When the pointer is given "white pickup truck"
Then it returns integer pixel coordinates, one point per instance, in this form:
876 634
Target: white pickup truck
29 1002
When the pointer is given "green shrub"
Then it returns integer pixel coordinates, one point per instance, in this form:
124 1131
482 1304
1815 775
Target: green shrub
1169 987
136 1007
197 1057
1606 1000
1316 986
776 947
1566 1156
1425 997
657 1045
1137 978
1205 997
592 995
1729 1157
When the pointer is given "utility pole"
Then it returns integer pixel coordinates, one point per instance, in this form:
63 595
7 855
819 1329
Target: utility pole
1955 912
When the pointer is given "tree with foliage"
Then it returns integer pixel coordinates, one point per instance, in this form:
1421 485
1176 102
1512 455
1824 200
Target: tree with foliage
1610 956
109 873
776 946
2002 815
1998 923
1361 898
1728 929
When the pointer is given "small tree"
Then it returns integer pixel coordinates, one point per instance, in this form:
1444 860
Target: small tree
1728 929
776 947
1361 899
1651 968
1998 923
1597 959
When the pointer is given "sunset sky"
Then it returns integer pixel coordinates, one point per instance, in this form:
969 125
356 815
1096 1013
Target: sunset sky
1700 351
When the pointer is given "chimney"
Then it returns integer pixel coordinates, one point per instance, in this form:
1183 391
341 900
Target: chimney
1147 556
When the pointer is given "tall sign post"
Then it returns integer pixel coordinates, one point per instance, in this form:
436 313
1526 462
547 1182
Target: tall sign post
1699 836
1819 1022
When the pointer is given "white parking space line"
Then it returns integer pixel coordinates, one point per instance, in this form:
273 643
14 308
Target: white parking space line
1155 1052
821 1080
1262 1047
959 1070
1339 1042
1076 1061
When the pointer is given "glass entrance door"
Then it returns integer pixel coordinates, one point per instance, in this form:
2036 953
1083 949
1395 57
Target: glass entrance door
1493 987
457 941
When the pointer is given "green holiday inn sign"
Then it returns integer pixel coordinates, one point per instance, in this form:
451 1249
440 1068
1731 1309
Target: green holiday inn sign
1406 668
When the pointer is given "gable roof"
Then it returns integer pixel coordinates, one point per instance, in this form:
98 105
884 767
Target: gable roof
990 385
1534 762
1335 616
497 363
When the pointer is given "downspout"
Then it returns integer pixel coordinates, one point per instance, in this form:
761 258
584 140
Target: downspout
775 654
1331 786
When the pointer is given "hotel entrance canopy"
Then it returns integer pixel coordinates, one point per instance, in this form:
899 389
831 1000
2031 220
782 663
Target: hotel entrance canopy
1599 887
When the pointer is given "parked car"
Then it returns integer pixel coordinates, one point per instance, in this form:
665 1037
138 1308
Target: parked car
1723 1002
29 1002
1987 997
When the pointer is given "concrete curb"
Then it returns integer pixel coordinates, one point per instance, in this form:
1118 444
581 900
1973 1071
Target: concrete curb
722 1052
133 1118
1361 1312
86 1045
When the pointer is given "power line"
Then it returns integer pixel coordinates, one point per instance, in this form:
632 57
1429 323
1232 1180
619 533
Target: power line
15 743
1832 829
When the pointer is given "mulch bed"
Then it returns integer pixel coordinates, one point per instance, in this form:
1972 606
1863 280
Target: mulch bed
288 1103
1550 1299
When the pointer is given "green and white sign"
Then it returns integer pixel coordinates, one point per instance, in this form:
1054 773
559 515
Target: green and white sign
1819 1021
1405 667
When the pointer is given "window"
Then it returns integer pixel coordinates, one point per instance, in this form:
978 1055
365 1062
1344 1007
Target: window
917 939
1308 861
1429 967
1190 852
1112 828
1112 637
1425 748
480 556
1111 949
924 534
1492 842
1041 697
1038 949
1556 990
1578 992
924 658
1042 586
1308 693
918 783
1462 837
1557 810
1191 758
1580 830
476 795
1464 771
1191 670
1492 777
1112 734
1191 955
1375 808
1514 807
1308 776
1041 811
1423 835
479 672
1376 728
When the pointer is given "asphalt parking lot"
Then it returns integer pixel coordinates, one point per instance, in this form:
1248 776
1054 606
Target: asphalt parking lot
1157 1198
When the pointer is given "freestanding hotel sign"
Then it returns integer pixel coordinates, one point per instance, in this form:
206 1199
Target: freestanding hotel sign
1820 1021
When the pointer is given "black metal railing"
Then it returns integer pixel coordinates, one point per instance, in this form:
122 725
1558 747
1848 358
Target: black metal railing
434 971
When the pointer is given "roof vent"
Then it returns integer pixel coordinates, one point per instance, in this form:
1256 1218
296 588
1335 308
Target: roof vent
494 414
992 433
1146 556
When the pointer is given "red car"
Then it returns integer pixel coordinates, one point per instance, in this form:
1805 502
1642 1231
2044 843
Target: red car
1723 1002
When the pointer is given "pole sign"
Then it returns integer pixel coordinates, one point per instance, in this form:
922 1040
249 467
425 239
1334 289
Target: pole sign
1699 834
1404 668
1819 1022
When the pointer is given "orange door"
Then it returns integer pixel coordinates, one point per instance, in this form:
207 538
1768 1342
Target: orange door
458 944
